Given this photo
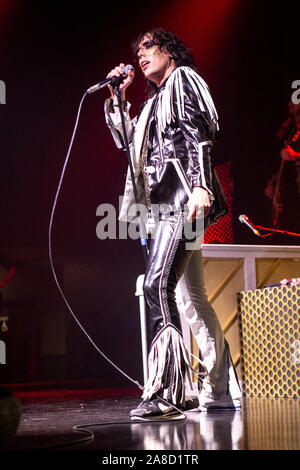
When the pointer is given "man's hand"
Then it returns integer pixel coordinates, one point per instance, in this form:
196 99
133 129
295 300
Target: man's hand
198 204
116 72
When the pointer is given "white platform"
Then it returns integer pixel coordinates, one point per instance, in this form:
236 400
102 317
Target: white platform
249 253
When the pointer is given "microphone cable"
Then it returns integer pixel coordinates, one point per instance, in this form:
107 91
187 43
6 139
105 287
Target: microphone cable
51 257
136 382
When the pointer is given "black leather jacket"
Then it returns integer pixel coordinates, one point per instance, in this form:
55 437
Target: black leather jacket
176 154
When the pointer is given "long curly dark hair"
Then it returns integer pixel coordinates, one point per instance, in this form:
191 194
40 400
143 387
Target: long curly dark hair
163 38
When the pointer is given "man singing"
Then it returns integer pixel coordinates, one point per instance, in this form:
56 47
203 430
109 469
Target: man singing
170 144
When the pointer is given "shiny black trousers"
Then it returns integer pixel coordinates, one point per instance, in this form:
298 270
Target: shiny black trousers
166 262
173 255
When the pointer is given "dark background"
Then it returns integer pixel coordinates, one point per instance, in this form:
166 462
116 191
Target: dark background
50 53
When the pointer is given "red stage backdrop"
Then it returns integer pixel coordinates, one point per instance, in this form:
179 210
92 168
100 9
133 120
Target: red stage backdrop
222 232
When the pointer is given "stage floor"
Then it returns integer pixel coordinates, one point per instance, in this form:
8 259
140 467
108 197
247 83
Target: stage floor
48 418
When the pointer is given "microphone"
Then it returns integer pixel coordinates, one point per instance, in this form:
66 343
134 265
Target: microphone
245 220
113 81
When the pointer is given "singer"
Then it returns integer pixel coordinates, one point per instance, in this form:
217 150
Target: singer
177 123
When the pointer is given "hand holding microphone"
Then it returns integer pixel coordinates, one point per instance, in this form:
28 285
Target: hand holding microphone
122 75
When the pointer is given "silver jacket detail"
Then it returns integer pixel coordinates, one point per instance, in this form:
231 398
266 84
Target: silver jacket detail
170 144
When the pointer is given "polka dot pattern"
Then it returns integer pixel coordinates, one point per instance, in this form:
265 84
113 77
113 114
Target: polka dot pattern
270 343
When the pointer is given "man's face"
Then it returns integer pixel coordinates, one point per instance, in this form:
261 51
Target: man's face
155 64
